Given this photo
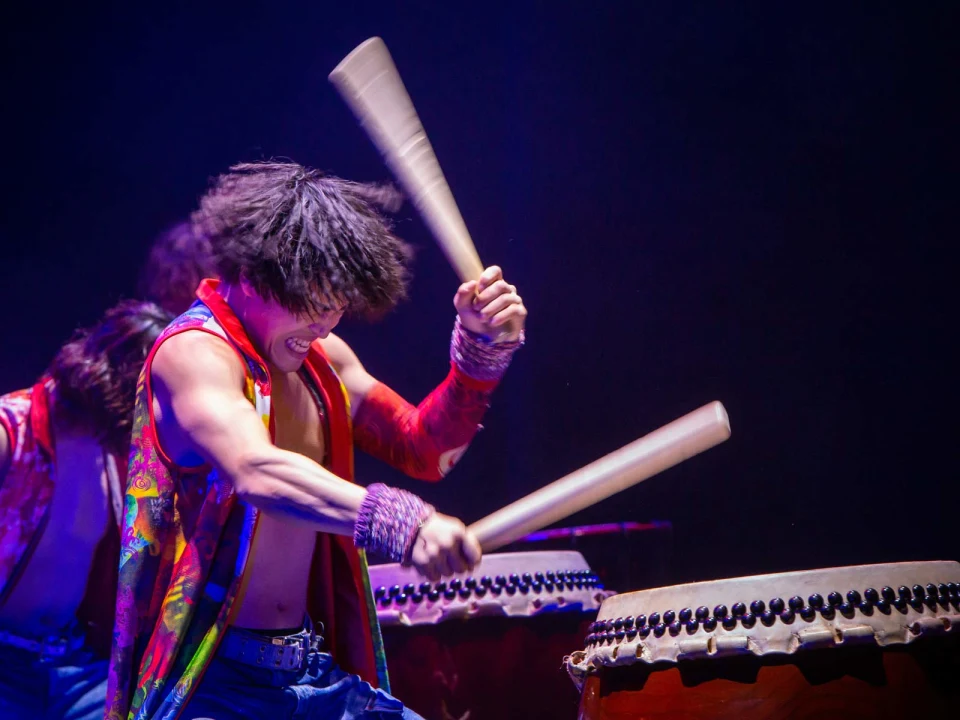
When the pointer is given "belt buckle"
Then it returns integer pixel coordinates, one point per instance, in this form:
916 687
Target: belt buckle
288 653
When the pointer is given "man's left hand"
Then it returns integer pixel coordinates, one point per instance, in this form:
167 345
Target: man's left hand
491 307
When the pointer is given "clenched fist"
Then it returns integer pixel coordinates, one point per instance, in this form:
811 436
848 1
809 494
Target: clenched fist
444 547
491 307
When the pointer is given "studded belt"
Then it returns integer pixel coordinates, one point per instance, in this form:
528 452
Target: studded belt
286 652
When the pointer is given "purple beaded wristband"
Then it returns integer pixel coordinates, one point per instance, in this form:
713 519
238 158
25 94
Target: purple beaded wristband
479 357
388 522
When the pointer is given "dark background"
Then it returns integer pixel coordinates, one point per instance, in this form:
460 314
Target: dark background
696 204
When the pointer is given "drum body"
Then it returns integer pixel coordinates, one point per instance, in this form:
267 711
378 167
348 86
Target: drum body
871 641
490 643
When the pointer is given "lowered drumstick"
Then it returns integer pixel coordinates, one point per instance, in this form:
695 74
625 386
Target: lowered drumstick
368 81
632 464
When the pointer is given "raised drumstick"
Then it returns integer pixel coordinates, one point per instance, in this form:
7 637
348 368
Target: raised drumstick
663 448
369 82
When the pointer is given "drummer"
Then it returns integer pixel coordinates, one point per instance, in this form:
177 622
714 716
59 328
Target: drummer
295 250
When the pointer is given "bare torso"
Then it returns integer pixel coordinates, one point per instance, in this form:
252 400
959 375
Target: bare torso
276 595
45 598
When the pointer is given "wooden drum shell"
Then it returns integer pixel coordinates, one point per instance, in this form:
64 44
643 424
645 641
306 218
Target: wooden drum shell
844 683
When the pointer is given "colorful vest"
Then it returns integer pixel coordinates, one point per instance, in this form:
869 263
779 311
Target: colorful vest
186 541
26 493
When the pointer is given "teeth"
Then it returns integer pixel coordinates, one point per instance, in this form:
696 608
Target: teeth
297 345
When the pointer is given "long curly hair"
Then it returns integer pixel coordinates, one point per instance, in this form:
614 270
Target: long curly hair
96 372
179 259
302 238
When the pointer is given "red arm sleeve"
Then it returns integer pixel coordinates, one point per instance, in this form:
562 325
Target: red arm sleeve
424 441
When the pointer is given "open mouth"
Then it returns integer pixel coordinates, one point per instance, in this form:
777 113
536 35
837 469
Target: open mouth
298 345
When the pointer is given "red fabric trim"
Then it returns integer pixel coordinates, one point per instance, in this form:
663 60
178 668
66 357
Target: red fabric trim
335 559
40 417
338 421
7 425
207 292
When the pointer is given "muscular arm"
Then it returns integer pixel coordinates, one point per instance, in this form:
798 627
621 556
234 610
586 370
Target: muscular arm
423 441
201 410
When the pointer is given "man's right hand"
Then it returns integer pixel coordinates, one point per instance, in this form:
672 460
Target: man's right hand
444 547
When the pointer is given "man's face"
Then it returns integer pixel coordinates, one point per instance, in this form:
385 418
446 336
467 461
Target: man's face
283 337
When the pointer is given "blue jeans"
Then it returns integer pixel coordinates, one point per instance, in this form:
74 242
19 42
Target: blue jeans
231 690
71 688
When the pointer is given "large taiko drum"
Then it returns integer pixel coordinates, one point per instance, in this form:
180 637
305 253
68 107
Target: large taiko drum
873 641
488 644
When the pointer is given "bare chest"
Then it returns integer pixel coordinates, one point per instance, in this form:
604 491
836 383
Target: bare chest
299 416
276 593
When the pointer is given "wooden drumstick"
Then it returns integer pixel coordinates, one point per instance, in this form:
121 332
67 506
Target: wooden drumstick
369 82
663 448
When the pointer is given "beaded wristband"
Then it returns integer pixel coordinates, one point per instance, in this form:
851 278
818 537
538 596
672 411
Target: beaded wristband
388 522
479 357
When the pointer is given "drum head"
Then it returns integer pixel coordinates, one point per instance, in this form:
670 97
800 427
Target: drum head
503 584
882 605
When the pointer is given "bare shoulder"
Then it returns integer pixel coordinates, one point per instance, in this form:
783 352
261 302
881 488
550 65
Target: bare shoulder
196 357
341 355
198 401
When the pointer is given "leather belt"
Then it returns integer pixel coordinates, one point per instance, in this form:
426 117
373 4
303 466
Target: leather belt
287 652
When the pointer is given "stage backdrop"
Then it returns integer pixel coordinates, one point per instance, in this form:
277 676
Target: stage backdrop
695 204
